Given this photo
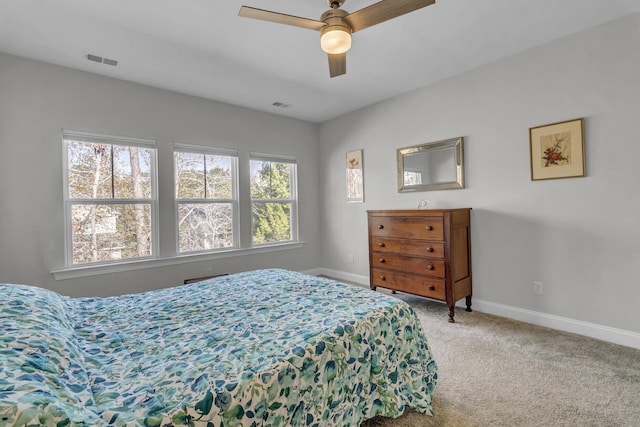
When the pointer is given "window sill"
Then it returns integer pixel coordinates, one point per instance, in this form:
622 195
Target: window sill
95 270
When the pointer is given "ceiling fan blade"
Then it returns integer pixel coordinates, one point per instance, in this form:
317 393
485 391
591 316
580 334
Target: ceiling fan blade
337 64
383 11
280 18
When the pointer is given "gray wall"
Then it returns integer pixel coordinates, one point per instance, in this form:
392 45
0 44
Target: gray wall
37 100
578 236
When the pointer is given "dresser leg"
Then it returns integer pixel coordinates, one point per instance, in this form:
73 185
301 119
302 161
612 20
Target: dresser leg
451 314
468 301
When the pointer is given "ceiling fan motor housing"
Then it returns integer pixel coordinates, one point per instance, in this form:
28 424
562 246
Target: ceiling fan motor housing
334 18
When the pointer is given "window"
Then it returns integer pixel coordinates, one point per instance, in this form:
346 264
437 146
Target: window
206 198
110 197
273 199
412 176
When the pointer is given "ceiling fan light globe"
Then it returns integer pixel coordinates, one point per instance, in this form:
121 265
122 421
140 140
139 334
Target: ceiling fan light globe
335 40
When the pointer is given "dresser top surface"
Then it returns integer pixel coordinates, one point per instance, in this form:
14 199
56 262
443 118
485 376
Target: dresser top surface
414 211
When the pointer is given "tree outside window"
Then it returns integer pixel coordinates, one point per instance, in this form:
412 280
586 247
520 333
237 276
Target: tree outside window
273 200
110 198
205 197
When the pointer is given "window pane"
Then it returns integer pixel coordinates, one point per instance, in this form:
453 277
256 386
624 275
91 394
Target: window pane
271 222
89 170
132 172
270 180
412 178
189 175
205 226
110 232
218 177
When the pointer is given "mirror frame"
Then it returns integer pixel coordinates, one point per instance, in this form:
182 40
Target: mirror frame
456 143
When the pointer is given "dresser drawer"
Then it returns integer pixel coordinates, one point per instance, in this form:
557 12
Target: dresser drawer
424 266
407 227
408 247
423 286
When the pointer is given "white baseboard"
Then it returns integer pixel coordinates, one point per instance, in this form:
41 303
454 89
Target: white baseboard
604 333
592 330
342 275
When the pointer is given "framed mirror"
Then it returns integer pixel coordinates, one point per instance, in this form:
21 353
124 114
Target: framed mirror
433 166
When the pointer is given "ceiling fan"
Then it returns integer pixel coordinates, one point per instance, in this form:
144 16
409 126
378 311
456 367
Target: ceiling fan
337 25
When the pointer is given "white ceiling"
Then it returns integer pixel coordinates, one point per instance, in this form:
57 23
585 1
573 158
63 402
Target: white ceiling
202 47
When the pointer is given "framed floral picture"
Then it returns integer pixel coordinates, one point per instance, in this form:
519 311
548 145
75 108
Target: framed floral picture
355 177
557 150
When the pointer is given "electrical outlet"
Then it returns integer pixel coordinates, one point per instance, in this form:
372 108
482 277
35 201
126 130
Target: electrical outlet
538 288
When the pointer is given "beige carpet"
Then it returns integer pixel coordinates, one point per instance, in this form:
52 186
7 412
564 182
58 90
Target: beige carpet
498 372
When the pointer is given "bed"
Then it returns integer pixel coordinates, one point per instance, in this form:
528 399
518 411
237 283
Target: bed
261 348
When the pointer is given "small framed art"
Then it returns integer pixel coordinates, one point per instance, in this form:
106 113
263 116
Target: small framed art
355 177
557 150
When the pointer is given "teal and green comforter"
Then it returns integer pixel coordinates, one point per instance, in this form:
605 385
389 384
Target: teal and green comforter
262 348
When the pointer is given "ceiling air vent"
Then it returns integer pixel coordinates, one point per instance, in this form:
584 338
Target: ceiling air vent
111 62
101 60
94 58
280 104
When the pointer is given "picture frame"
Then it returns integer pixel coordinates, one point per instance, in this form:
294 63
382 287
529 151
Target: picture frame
355 177
557 150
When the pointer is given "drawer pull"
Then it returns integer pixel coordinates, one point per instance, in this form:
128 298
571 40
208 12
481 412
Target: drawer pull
429 249
383 278
380 226
429 266
431 288
429 228
381 244
382 260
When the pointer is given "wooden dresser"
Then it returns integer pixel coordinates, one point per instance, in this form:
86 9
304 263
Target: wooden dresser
424 252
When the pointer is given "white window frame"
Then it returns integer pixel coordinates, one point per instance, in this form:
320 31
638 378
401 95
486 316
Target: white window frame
68 134
200 149
276 158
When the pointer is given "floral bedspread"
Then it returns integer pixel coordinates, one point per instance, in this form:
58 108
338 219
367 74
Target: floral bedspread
262 348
